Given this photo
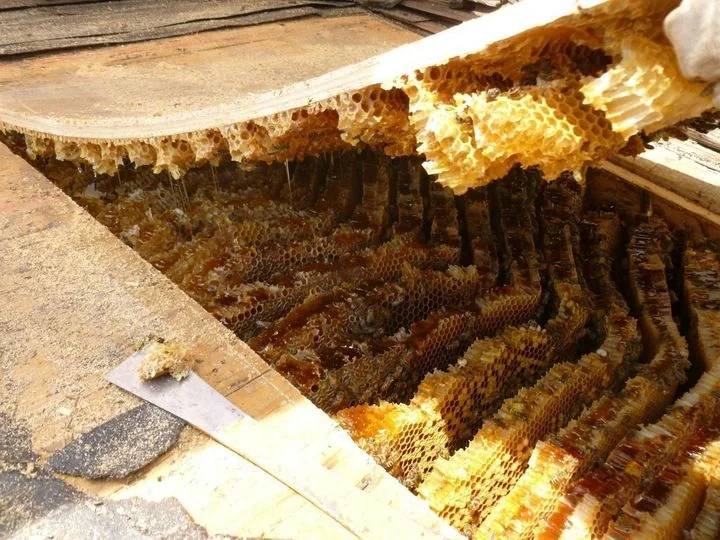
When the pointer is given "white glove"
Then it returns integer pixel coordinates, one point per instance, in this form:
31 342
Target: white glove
694 30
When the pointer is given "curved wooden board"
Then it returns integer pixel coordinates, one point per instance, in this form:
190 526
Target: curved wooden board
98 106
181 84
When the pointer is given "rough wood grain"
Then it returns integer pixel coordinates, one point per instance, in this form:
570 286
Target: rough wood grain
145 83
683 167
37 26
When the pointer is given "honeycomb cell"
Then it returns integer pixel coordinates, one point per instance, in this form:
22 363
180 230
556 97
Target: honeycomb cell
465 487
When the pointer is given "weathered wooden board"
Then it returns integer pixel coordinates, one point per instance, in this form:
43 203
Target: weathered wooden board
76 301
683 167
630 194
43 26
146 83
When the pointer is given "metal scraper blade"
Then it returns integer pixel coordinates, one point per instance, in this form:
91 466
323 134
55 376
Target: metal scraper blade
191 399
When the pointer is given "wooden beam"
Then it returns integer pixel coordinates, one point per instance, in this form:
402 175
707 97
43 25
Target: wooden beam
684 167
710 140
666 194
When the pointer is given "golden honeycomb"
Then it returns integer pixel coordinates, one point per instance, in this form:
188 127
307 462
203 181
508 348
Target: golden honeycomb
483 135
408 439
707 522
672 499
645 91
464 488
590 504
556 460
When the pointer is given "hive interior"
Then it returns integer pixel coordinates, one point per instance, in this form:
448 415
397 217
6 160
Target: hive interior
516 355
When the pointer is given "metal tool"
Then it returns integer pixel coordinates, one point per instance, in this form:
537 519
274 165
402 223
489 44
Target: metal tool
199 404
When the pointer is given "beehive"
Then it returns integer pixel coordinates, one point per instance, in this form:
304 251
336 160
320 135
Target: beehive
480 339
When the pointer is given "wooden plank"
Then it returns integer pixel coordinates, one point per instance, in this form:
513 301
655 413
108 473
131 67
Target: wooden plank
432 27
204 71
683 167
441 10
76 301
17 4
34 29
629 199
108 119
674 198
710 140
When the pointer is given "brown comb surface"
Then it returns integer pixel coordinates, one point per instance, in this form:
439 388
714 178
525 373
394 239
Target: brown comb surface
246 308
563 456
593 501
332 327
395 372
669 504
702 296
598 497
464 488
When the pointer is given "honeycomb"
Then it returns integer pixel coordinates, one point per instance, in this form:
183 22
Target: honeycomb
702 294
481 473
393 372
641 399
707 522
449 404
636 460
510 352
482 136
672 499
333 325
560 457
577 89
550 103
645 90
463 489
408 439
